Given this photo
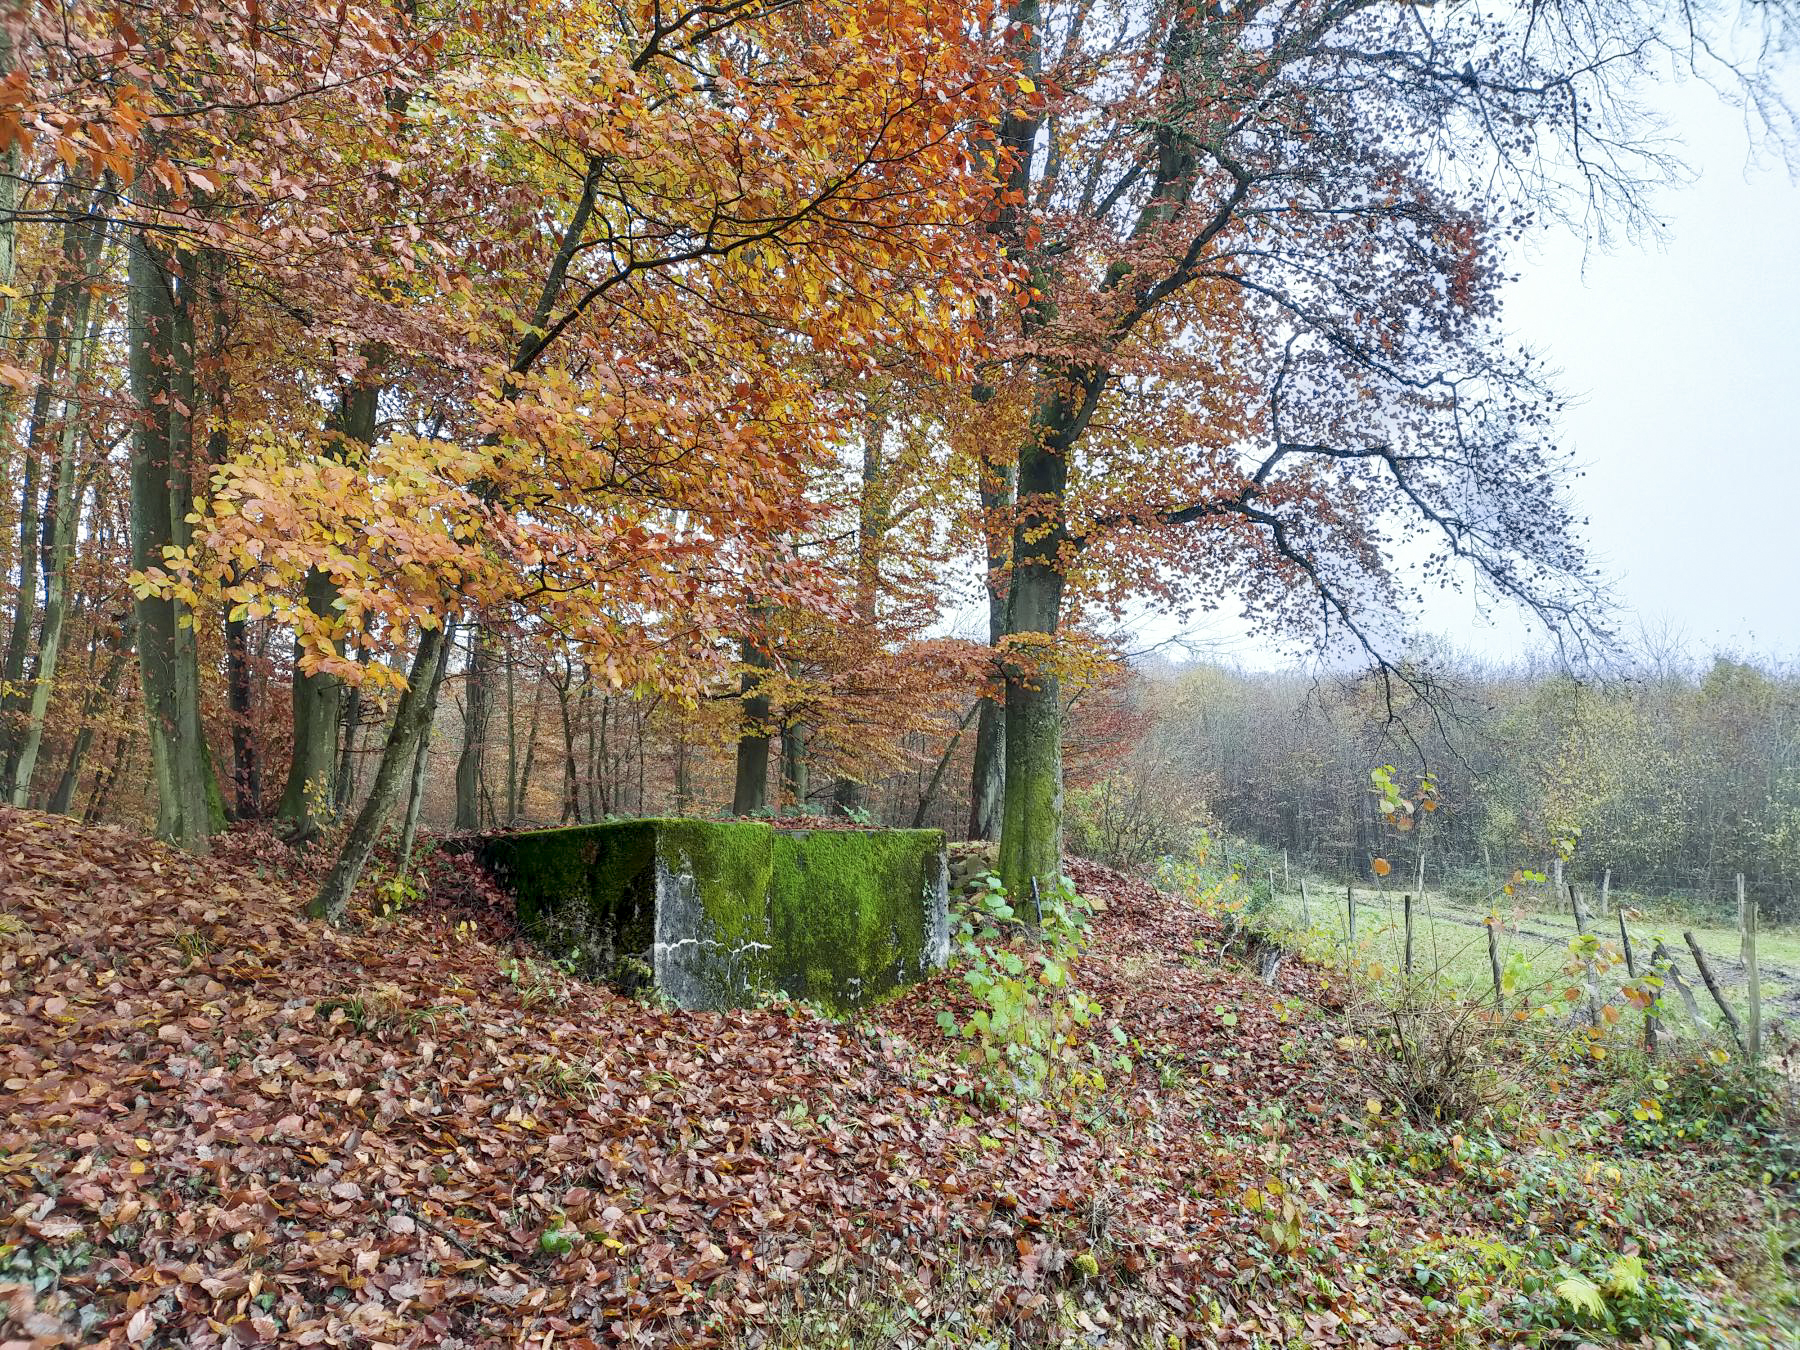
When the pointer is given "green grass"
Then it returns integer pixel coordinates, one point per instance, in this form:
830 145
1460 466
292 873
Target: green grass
1449 937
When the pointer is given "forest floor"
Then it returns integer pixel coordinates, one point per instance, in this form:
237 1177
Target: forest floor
224 1124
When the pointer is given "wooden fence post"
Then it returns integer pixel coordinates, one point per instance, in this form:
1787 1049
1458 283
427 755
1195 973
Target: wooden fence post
1625 938
1286 880
1305 907
1605 891
1661 959
1350 914
1743 938
1493 927
1587 962
1659 967
1406 903
1753 974
1712 987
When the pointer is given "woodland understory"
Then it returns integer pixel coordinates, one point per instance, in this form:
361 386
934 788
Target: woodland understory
446 416
226 1124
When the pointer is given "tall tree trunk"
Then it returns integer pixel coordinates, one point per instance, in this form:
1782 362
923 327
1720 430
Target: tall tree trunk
571 804
246 763
70 273
928 793
1031 820
411 718
795 777
309 800
512 734
750 795
531 737
684 785
591 762
874 516
415 795
346 769
160 322
987 780
108 778
59 539
477 704
63 796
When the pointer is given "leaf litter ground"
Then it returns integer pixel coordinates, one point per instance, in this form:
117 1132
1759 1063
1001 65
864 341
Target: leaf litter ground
224 1124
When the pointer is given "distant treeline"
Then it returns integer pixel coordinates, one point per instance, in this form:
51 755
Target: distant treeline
1675 778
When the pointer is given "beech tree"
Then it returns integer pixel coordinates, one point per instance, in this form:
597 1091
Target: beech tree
1256 356
638 431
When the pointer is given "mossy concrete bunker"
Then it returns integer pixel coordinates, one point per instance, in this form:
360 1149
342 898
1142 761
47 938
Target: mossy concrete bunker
718 914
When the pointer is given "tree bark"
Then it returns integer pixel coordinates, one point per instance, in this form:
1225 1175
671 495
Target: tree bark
105 780
1031 820
159 319
987 779
795 777
309 799
477 705
68 292
750 794
410 719
246 763
60 531
409 831
63 796
345 787
571 803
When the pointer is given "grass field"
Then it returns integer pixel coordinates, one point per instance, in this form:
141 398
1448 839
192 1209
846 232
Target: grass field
1450 935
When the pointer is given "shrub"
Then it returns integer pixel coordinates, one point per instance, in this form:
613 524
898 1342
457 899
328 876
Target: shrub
1029 1033
1437 1058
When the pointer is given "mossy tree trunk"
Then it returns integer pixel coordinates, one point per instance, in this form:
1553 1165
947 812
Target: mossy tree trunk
1031 822
477 707
750 795
59 541
70 271
309 799
411 717
796 784
160 323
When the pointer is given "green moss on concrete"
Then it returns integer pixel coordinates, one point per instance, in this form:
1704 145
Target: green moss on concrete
726 911
850 911
589 889
713 937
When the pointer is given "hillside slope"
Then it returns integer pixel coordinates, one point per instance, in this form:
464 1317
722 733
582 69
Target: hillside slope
224 1124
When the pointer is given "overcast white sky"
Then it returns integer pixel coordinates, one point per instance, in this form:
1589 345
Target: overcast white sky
1686 361
1682 356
